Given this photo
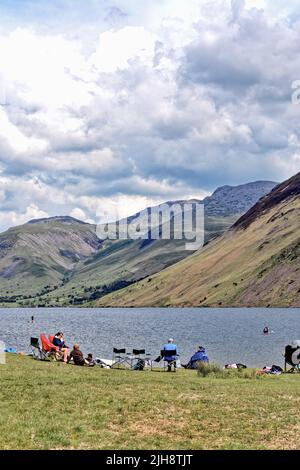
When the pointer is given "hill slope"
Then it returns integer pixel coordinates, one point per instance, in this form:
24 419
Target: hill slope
61 261
37 256
256 263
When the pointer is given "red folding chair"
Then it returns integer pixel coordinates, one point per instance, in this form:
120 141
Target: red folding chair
49 350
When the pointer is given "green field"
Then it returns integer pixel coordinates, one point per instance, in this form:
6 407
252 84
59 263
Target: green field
47 405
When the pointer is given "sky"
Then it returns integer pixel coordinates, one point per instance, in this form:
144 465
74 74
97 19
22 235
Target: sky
109 106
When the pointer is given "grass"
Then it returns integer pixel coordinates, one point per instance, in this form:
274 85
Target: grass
215 371
55 406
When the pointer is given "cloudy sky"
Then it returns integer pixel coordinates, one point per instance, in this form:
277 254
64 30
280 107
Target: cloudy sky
109 104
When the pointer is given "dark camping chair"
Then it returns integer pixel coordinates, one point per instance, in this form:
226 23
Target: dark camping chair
169 357
140 359
120 358
37 352
292 358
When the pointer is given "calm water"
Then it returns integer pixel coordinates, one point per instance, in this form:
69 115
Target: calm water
230 335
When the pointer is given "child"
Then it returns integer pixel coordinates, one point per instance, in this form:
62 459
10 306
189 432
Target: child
89 359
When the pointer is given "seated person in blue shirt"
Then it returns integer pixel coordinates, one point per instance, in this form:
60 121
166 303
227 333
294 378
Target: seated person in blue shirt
58 340
199 356
171 358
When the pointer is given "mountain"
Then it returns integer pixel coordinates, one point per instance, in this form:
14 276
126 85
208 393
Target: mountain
64 219
232 200
61 261
226 205
255 263
285 191
37 256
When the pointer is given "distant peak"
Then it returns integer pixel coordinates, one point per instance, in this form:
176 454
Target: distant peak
252 184
230 200
65 219
282 192
221 189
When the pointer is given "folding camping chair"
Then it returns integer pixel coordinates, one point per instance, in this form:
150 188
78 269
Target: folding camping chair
292 358
49 350
37 352
104 363
140 360
120 358
170 358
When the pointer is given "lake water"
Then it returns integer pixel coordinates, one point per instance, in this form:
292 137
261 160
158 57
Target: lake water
229 335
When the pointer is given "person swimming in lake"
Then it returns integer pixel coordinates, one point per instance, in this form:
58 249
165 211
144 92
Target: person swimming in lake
266 330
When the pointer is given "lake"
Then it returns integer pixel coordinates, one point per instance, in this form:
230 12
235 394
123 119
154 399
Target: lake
229 335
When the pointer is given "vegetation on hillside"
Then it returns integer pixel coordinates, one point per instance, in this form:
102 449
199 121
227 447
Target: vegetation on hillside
254 264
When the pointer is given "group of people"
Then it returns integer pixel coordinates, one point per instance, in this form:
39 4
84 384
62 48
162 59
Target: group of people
76 355
169 354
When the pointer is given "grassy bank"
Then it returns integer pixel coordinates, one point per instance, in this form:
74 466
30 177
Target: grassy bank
56 406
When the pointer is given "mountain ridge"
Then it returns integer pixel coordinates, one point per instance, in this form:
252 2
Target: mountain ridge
65 219
280 192
61 261
256 263
239 198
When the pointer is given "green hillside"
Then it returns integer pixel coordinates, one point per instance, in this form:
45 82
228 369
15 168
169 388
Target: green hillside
256 263
61 261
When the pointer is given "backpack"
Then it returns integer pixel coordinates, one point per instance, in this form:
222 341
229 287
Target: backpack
275 368
139 365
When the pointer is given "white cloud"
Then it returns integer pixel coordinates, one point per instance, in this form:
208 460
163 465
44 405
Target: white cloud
78 213
42 68
19 142
117 48
165 99
12 218
95 163
255 3
110 209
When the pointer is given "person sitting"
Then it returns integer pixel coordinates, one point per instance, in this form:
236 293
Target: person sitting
90 359
58 341
235 366
170 358
77 356
199 356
